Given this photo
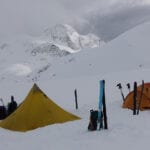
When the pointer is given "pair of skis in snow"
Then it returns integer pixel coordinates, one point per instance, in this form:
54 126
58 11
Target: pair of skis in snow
98 118
102 114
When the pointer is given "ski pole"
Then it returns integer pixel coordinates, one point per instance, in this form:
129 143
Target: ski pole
135 98
128 86
120 87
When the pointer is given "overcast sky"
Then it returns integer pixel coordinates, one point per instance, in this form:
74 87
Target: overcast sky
33 16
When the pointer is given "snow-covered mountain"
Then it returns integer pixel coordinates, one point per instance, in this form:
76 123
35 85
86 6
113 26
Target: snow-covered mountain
132 46
37 59
37 54
64 34
66 38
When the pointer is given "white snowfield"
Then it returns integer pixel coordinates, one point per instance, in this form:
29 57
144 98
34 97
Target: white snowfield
124 60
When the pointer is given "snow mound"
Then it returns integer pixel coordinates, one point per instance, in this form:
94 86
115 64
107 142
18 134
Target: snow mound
19 69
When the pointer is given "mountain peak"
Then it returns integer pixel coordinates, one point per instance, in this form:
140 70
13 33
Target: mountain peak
66 35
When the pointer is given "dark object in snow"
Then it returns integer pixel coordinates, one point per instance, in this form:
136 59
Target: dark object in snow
120 87
3 111
12 106
76 100
128 86
134 98
93 120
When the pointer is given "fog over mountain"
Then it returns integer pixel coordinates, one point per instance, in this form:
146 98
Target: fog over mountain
105 18
112 23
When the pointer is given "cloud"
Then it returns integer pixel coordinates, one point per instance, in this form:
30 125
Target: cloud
115 19
33 16
29 15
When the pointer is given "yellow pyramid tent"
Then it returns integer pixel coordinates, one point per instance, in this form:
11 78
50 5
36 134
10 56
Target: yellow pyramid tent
37 110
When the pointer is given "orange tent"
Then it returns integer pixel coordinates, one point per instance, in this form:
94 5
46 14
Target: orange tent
145 102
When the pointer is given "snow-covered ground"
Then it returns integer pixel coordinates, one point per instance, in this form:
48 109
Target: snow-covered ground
124 60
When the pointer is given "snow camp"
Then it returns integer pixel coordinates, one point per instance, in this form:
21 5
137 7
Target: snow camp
79 72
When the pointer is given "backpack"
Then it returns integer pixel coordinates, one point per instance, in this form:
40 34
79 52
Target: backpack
93 120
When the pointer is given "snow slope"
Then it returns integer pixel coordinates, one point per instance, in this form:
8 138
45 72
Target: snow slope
37 54
125 59
127 52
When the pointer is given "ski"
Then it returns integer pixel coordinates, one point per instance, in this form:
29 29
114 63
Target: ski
140 99
101 95
134 98
96 116
99 117
100 114
104 107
